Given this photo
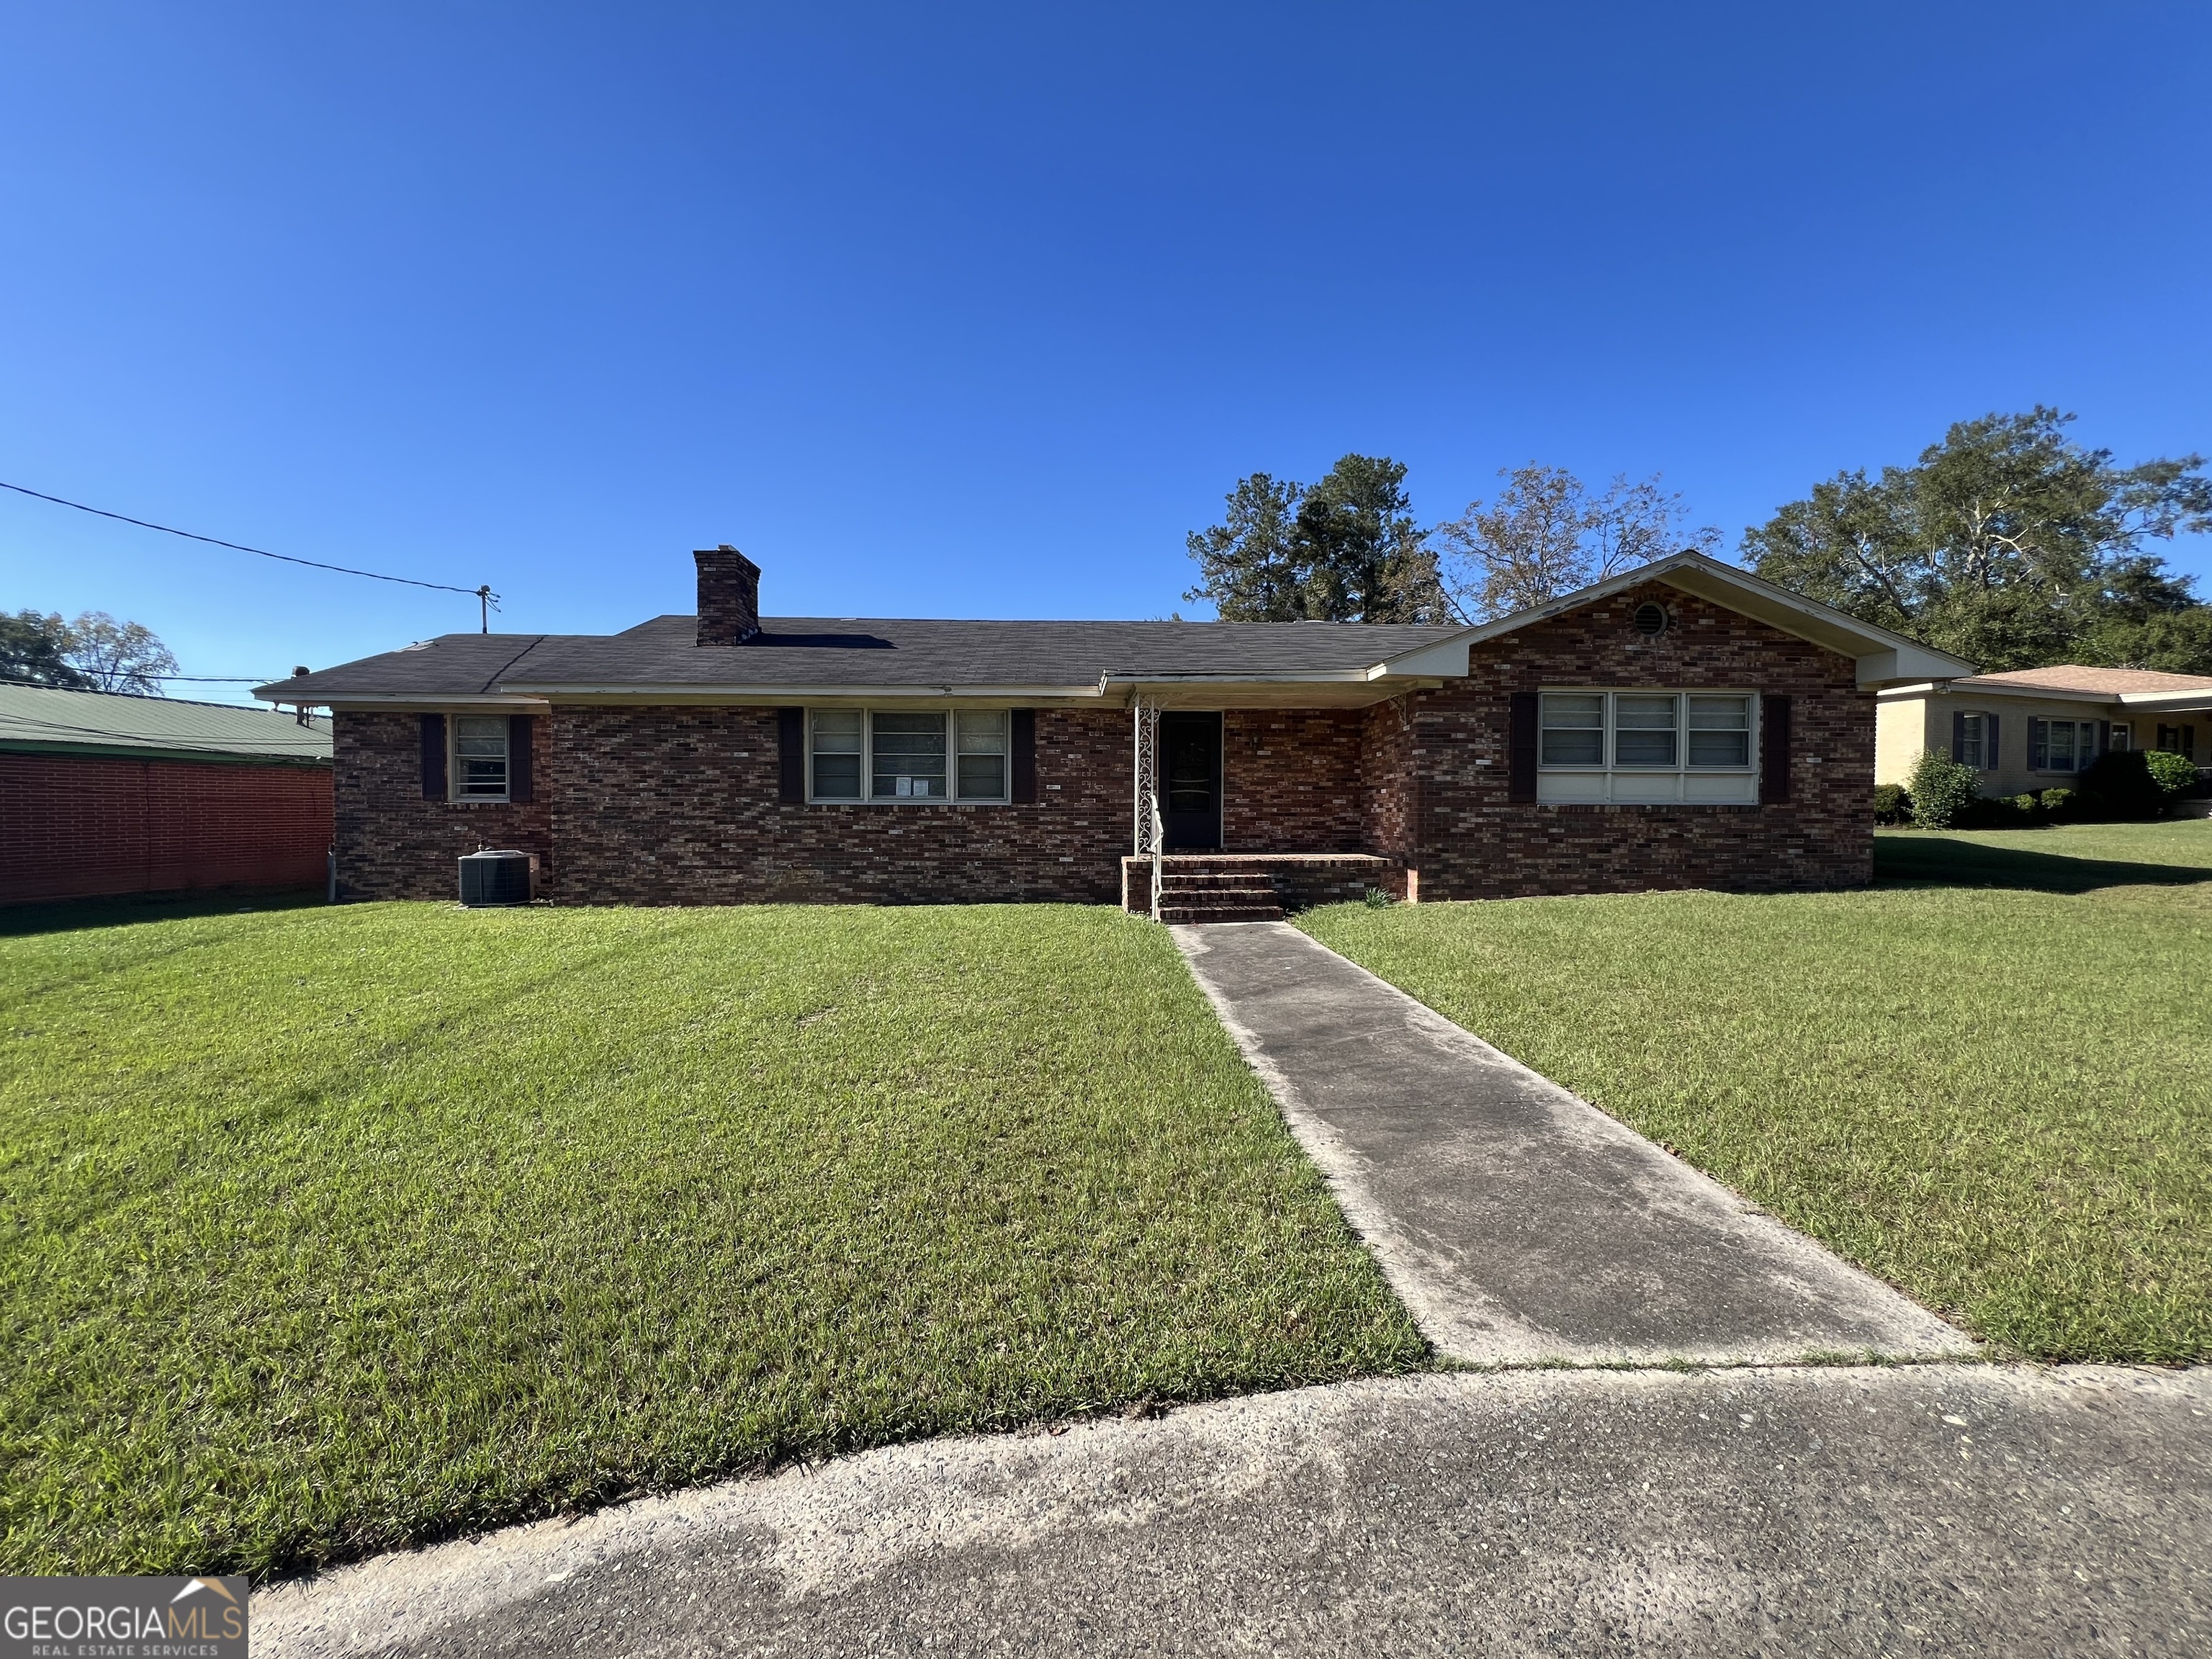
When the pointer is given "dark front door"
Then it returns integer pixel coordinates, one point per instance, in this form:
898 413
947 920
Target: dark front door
1190 778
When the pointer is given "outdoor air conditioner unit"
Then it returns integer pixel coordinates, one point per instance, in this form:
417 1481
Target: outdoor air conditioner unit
505 877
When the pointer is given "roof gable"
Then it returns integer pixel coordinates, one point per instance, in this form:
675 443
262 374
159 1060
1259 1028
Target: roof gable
1883 657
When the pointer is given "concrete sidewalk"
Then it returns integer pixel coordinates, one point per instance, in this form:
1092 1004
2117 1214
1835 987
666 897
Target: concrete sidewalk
1937 1510
1519 1223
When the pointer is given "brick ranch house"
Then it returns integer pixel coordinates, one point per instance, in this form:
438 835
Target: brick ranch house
1685 724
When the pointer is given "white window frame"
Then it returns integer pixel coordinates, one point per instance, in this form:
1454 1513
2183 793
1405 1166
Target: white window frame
2085 749
1610 782
453 790
1974 738
952 797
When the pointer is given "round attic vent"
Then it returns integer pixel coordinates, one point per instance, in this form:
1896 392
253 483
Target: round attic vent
1649 620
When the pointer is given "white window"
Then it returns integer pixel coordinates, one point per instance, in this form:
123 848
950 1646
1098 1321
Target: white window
907 754
2061 746
1646 746
1973 743
980 742
479 758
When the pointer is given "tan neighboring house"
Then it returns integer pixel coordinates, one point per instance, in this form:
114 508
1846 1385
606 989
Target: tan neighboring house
2035 728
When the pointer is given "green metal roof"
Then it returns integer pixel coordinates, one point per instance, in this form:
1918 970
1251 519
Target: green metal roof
40 719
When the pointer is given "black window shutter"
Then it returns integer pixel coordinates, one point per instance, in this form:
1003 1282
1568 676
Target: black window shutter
433 757
518 757
2103 736
791 754
2189 743
1991 753
1521 746
1958 734
1773 747
1024 757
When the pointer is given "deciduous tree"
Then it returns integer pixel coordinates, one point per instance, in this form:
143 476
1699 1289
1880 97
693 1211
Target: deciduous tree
117 656
2007 543
1545 534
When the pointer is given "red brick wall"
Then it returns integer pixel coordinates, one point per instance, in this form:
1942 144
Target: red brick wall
75 825
677 805
1390 785
393 843
1290 780
1473 843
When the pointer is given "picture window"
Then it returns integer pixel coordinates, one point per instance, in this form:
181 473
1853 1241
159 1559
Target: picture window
907 755
1646 746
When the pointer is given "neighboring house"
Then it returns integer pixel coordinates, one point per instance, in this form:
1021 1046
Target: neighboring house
112 794
2035 729
1685 724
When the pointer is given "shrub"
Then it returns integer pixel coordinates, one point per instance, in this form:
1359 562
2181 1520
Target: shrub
2029 807
1890 804
1377 899
2057 803
1941 789
2174 775
2118 785
1997 812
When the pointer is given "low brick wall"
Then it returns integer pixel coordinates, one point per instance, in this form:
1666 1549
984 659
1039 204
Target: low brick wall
1300 881
76 826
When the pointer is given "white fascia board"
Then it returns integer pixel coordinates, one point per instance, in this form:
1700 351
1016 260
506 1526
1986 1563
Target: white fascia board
787 693
2156 701
1909 663
2030 693
402 700
1445 660
1326 677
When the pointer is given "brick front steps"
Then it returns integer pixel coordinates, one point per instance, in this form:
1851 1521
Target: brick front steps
1198 887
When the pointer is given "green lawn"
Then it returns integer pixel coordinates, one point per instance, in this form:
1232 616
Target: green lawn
328 1230
1989 1079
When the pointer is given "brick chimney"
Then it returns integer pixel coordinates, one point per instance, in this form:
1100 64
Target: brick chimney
729 596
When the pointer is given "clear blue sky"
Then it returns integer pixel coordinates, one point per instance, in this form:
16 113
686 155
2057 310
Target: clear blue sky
968 312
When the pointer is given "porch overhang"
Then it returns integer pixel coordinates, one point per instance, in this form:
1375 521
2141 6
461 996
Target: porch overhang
1303 691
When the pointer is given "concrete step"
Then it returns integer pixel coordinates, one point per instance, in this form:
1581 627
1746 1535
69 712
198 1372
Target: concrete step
1180 915
1241 892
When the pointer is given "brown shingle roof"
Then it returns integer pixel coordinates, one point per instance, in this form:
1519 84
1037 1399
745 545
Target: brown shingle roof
2070 676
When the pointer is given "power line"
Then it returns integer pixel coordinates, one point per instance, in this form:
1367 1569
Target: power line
483 594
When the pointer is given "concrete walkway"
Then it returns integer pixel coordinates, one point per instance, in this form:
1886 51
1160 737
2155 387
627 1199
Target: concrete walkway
1935 1509
1520 1224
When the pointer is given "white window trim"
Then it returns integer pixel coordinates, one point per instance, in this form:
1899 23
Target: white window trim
2081 764
1985 761
1611 772
952 798
453 794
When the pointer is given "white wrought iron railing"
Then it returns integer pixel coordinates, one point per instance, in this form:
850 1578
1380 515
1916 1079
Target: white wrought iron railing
1159 841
